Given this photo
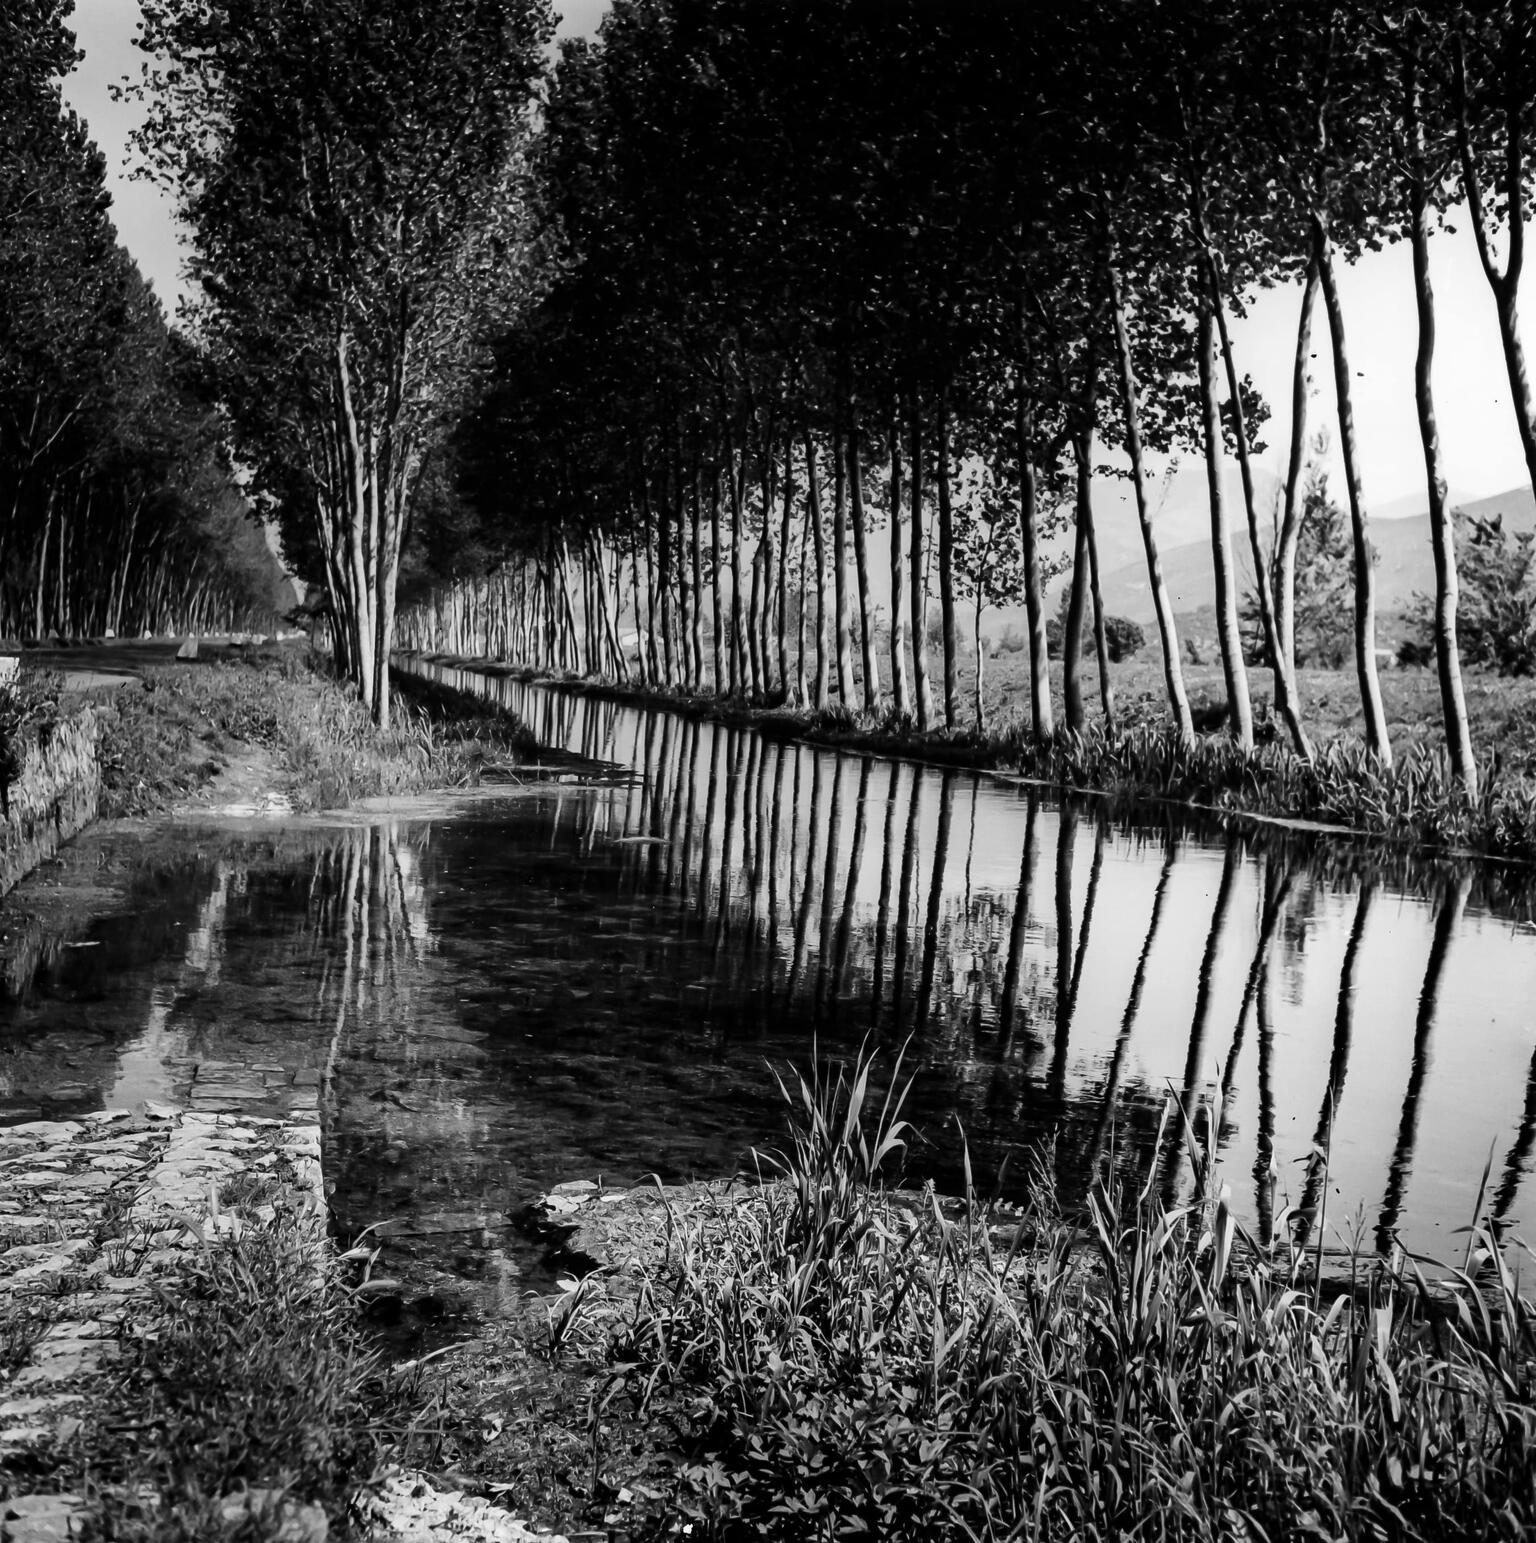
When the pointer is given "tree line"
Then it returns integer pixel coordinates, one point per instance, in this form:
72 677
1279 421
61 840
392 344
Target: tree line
119 509
836 266
746 302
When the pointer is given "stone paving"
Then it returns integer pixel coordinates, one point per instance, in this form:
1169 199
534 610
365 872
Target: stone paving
91 1211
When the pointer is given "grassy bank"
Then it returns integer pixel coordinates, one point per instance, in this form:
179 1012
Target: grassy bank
819 1356
163 740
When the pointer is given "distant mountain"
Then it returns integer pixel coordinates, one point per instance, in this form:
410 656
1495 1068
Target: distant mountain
1405 563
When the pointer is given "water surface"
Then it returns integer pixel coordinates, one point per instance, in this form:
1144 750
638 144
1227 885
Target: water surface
588 980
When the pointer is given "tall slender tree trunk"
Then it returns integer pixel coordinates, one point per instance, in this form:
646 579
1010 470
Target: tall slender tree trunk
947 575
1100 629
901 690
765 553
687 598
1041 717
1235 672
736 469
1505 283
1282 578
1250 501
1072 626
1458 734
868 660
717 616
695 566
840 569
819 541
1173 667
1376 740
783 584
918 575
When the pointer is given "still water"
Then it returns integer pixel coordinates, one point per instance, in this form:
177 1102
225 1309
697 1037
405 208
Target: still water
587 979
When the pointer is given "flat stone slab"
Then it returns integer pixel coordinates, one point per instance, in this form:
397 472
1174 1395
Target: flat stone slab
90 1212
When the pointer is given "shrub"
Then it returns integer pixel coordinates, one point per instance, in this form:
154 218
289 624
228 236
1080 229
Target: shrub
1496 612
1123 637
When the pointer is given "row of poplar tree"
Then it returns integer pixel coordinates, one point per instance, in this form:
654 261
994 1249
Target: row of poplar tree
835 264
661 339
118 508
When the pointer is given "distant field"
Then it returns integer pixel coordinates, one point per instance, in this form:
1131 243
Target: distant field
1502 710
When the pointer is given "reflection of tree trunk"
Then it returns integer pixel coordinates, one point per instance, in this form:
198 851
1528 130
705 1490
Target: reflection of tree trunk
728 836
1312 1194
677 776
656 824
752 800
829 881
1519 1153
1128 1018
707 846
887 856
850 893
1276 887
1264 1153
1057 1086
773 863
1066 843
808 889
935 901
691 773
904 899
1197 1027
1008 1008
1446 925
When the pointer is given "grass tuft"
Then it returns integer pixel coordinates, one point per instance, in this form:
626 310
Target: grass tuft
841 1362
245 1371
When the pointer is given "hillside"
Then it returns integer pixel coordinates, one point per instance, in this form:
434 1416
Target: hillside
1405 564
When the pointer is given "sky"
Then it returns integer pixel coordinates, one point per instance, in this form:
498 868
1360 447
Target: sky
1477 427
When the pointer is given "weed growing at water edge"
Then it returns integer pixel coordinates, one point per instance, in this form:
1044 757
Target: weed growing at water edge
841 1362
246 1370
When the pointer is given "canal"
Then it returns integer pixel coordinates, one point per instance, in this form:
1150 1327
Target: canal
586 979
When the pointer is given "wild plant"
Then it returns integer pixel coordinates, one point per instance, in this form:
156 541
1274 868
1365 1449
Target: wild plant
844 1359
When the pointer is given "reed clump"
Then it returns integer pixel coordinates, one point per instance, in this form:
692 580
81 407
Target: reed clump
841 1361
1417 799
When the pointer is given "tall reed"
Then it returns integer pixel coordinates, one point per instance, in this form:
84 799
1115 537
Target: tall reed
845 1360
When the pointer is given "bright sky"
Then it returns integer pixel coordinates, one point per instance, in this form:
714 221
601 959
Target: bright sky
1477 428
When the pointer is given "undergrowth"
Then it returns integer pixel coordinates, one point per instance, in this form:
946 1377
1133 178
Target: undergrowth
29 712
246 1377
838 1364
172 735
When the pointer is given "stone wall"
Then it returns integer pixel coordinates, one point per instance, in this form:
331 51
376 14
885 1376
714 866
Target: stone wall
53 798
